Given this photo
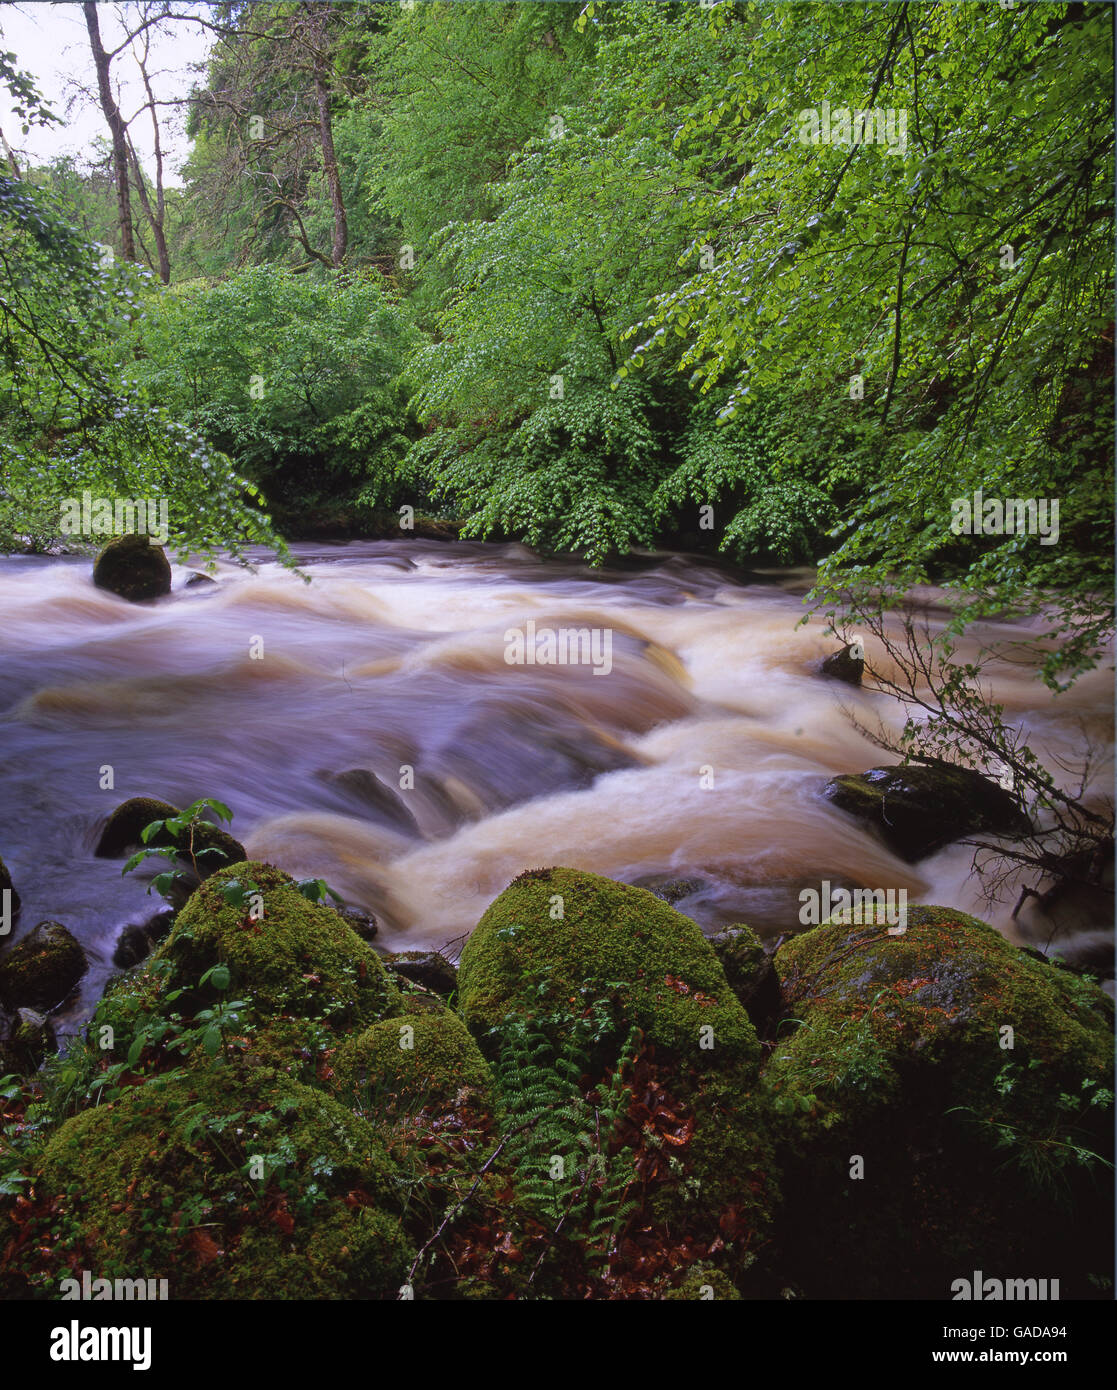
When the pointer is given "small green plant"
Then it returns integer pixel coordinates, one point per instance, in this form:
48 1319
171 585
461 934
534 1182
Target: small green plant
183 830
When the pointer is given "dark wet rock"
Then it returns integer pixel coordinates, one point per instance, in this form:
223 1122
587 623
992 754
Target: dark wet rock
122 834
137 940
375 796
363 923
847 665
920 807
199 580
670 889
133 568
26 1038
750 973
42 969
427 968
6 883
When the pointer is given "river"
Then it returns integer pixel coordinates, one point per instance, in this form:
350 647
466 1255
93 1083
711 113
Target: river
699 754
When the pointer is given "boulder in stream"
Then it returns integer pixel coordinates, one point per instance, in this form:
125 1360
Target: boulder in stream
848 665
918 808
122 834
42 969
133 568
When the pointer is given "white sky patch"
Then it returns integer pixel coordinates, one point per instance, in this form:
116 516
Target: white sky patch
51 43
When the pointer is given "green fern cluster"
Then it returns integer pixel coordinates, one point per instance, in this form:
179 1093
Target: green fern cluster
560 1134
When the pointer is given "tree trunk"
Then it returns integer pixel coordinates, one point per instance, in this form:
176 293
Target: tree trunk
329 158
116 129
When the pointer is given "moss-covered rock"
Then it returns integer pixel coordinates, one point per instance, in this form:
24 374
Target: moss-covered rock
42 969
124 827
430 969
133 568
611 941
965 1076
162 1180
918 808
26 1037
419 1061
704 1283
749 970
563 955
285 953
6 885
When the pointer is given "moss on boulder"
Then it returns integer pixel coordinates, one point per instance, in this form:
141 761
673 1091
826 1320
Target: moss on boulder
292 957
422 1061
704 1283
612 941
133 568
123 829
26 1037
42 969
965 1075
430 969
619 958
162 1180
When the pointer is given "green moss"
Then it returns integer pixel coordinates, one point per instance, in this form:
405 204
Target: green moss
42 969
612 941
904 1110
297 958
873 1005
420 1061
704 1282
161 1181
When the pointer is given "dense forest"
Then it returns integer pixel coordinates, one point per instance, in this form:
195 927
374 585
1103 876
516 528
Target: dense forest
768 285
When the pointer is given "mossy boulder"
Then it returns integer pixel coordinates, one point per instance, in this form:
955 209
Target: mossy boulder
285 953
43 969
6 885
612 941
959 1075
918 808
420 1061
620 963
124 827
161 1180
133 568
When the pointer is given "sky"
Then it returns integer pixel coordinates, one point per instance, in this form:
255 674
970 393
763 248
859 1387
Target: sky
51 43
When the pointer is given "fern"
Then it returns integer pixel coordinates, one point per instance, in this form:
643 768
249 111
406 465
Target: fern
562 1135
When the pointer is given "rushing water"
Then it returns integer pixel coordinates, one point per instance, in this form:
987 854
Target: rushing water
394 656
